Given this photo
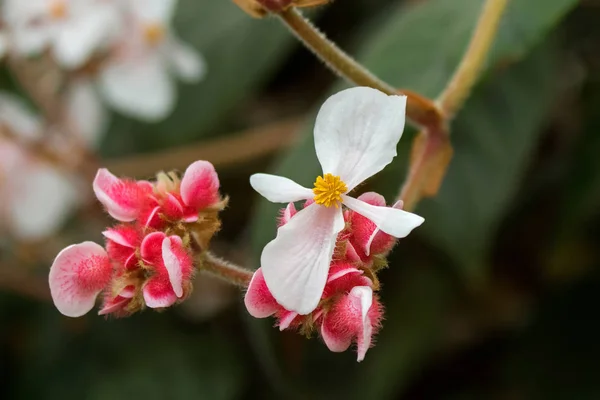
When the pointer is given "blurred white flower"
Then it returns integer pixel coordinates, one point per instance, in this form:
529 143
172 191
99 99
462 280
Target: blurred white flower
36 198
138 78
73 29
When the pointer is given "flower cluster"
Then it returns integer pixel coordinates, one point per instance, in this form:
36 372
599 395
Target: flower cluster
320 269
147 260
349 310
126 47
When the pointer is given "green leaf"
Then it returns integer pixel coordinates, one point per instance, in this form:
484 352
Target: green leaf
240 52
492 136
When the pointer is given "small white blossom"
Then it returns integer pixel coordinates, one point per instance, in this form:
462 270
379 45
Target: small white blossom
138 79
356 134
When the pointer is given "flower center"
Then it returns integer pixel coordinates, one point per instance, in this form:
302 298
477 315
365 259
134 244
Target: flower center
328 190
58 9
153 33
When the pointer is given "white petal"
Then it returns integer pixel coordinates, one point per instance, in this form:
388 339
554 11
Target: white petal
398 223
357 131
154 10
296 262
79 37
30 40
41 200
187 63
18 117
140 88
87 112
278 189
399 204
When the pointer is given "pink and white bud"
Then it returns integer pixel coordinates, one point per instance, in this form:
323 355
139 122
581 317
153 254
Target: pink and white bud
353 318
366 237
117 305
78 274
286 214
200 185
123 199
121 244
172 269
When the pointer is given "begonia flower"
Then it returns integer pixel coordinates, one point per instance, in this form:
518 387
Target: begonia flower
138 76
356 134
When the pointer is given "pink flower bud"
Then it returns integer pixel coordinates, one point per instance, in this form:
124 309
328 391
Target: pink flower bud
117 305
121 244
171 269
77 275
286 214
353 317
200 185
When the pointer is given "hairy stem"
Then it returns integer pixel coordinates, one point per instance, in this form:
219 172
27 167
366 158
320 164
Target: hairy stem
225 270
420 110
465 76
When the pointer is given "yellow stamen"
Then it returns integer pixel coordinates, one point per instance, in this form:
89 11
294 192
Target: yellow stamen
154 33
328 190
58 9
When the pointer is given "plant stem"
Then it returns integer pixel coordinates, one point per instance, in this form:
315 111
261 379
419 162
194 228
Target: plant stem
465 76
420 110
225 270
432 151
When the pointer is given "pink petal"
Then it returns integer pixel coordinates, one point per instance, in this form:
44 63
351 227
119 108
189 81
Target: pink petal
259 301
78 274
158 292
150 218
286 319
351 253
124 235
172 208
177 262
121 198
338 271
151 248
114 305
287 213
336 341
200 185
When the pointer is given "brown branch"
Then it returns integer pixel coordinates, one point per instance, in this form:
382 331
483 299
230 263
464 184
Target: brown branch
230 150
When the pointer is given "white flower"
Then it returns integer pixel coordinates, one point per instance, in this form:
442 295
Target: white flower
137 78
36 198
74 29
356 134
